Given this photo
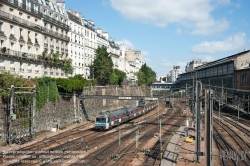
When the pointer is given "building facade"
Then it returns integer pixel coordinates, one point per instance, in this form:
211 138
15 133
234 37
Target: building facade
30 29
219 73
76 47
193 64
174 74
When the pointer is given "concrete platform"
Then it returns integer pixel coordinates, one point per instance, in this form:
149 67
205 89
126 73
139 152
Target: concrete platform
171 153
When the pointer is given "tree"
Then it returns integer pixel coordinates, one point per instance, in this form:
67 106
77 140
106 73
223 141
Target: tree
121 75
146 75
67 67
113 79
163 78
102 65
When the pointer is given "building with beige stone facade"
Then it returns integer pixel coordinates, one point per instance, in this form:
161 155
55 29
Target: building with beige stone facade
29 29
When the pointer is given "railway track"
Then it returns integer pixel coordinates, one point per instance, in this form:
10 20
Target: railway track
77 139
237 144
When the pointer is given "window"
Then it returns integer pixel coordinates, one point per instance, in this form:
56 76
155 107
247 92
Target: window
28 50
1 26
21 48
21 31
1 63
1 43
244 80
11 30
28 5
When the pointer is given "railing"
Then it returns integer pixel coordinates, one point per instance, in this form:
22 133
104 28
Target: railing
19 20
32 25
36 71
25 7
56 21
51 32
29 70
21 54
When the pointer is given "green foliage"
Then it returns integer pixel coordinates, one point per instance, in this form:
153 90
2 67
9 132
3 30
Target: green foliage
164 79
7 79
69 85
146 75
113 79
67 66
80 78
53 92
42 92
121 75
46 90
102 65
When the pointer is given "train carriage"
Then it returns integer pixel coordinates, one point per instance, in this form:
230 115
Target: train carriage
107 120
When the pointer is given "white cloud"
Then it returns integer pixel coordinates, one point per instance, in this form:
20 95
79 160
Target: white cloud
178 31
194 14
127 43
144 53
207 58
235 42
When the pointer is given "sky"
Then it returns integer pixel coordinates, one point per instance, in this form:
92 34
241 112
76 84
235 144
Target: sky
172 32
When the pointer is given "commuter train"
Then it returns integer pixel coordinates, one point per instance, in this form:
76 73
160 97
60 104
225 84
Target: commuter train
107 120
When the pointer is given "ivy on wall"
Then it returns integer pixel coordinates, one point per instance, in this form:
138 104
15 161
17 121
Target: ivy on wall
48 88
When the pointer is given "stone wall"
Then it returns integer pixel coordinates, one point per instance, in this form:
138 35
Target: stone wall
63 112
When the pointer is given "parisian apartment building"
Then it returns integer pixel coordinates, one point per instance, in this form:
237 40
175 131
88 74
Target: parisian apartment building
38 36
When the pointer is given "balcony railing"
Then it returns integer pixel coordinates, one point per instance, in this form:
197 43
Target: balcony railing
51 32
19 54
55 21
2 67
30 24
25 7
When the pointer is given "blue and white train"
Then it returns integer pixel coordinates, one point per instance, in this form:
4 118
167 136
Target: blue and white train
107 120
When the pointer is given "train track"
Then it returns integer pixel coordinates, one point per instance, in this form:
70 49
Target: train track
112 149
237 144
154 157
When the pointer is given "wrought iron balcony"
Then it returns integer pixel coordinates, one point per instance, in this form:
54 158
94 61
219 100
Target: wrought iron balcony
52 20
2 67
19 20
19 54
24 7
21 70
